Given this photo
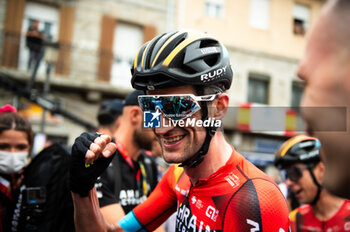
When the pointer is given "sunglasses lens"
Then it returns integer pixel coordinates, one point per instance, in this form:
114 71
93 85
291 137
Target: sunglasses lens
294 173
173 107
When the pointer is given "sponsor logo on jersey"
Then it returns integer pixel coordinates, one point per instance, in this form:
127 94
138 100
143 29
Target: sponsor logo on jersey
130 197
197 202
347 226
183 192
185 221
233 180
212 213
255 225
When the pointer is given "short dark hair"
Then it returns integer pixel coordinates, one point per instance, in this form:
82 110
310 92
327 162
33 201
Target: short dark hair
109 111
132 98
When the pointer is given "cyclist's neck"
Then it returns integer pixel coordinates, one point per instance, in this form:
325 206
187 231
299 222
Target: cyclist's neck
327 206
218 154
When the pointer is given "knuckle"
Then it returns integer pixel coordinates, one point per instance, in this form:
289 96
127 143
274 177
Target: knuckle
94 148
89 154
106 138
101 142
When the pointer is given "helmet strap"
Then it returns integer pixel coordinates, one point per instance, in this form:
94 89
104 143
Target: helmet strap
199 155
319 187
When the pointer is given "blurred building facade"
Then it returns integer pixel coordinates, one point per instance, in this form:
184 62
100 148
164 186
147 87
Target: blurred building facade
98 40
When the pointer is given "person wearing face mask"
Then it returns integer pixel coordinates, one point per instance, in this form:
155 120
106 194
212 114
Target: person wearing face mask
16 141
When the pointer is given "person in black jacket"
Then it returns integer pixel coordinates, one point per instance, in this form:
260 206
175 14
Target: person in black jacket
34 42
132 175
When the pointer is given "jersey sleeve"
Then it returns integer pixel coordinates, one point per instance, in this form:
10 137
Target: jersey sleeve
161 204
257 206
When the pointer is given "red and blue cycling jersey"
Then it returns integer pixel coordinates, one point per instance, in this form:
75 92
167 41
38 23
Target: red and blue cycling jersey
303 219
237 197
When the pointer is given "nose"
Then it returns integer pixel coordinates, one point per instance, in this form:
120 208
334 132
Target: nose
13 149
165 126
289 183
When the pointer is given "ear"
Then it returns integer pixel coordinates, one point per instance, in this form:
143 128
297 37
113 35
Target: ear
220 106
135 115
319 171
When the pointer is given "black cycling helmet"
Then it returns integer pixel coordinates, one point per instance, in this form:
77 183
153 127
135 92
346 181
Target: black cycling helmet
181 58
298 149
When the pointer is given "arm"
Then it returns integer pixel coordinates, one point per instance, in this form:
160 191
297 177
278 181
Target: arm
91 155
257 206
87 214
108 189
113 213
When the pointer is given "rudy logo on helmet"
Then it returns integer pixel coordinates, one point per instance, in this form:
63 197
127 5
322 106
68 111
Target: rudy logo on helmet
213 74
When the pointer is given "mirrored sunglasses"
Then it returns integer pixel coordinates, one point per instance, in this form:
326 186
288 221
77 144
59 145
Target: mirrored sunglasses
174 107
295 173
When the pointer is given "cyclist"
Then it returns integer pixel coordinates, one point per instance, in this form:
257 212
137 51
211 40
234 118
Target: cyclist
212 187
322 211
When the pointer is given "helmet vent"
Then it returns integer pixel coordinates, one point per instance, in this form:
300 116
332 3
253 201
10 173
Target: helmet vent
211 60
213 56
170 47
149 57
178 65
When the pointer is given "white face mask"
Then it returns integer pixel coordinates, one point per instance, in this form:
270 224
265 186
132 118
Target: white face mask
12 162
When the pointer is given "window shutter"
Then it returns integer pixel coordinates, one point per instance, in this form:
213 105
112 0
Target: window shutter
13 25
106 48
65 35
149 32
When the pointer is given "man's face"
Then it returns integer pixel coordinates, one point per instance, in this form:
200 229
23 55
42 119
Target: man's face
304 189
179 143
326 72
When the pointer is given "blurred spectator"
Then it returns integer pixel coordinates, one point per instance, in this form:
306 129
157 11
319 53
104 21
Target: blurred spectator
34 42
132 175
16 141
300 157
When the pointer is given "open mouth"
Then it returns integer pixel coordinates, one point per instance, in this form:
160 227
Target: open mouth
173 139
297 193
